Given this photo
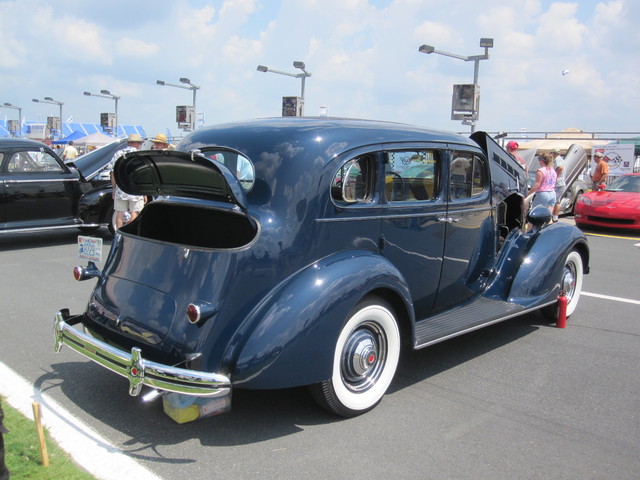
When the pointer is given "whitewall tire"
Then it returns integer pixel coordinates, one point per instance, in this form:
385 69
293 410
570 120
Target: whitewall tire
365 360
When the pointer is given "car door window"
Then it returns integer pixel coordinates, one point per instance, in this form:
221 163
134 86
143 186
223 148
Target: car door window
33 161
411 175
467 177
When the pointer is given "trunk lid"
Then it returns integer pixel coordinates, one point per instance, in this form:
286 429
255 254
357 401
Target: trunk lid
174 173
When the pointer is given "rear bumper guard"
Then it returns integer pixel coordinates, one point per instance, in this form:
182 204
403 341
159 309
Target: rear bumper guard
135 368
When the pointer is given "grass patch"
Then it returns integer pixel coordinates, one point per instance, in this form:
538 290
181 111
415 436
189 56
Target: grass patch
22 451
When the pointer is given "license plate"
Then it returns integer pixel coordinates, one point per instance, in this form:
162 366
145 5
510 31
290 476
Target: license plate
90 248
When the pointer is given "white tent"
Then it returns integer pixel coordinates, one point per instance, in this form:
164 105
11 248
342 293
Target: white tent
95 139
563 140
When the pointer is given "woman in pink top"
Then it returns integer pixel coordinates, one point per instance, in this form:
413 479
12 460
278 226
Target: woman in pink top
545 184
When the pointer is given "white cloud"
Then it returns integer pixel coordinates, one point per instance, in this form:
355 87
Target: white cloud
136 48
363 55
560 29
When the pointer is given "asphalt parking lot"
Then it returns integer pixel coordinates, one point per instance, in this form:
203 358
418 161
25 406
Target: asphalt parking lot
521 399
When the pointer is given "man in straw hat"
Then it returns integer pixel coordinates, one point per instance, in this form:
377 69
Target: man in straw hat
123 202
160 142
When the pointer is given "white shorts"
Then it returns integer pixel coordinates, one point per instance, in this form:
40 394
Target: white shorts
128 205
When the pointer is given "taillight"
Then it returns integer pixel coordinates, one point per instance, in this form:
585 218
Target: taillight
77 272
84 273
193 313
198 312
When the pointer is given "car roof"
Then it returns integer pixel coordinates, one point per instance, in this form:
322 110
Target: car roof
21 142
320 137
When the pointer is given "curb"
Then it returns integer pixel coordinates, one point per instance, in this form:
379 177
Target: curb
87 448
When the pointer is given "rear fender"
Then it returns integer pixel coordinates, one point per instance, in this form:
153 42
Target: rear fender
290 337
537 281
94 206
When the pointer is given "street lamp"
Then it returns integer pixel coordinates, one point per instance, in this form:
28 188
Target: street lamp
191 87
485 43
107 94
8 105
302 76
53 102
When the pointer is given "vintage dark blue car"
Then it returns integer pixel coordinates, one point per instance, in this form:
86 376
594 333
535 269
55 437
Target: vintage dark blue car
38 191
308 251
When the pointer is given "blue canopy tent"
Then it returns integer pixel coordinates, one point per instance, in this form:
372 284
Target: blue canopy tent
73 136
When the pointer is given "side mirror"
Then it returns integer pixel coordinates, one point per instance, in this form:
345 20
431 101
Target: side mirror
538 216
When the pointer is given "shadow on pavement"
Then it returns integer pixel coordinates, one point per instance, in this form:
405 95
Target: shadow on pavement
255 416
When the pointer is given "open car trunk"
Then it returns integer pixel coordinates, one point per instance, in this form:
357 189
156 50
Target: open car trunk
202 203
193 225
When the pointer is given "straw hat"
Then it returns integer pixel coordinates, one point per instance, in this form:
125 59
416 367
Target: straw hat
160 138
134 137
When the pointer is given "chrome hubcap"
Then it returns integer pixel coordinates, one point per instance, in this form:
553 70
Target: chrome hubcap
363 357
568 283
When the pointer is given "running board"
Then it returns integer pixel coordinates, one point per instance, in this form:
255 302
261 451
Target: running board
472 316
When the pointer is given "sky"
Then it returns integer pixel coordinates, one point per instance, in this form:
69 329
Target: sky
362 55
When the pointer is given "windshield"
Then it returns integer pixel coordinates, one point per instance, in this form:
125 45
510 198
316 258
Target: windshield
625 183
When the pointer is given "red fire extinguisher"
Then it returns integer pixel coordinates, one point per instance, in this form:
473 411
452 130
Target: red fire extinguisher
561 322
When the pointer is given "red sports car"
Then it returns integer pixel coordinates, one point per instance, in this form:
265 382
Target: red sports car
617 206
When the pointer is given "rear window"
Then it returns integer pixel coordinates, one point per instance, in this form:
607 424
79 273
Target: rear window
237 163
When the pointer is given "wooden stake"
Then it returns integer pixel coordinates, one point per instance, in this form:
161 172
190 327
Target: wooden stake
43 445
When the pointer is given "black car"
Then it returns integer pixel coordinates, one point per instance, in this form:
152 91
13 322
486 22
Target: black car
39 191
298 251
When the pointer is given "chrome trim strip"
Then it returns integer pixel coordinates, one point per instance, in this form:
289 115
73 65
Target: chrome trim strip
56 227
136 369
384 216
41 180
453 210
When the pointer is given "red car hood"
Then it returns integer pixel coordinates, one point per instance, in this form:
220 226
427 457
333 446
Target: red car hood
621 199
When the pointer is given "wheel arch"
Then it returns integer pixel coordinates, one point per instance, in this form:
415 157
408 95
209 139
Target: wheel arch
537 281
403 310
94 206
289 341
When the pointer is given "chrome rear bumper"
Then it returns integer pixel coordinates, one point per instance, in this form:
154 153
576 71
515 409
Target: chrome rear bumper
135 368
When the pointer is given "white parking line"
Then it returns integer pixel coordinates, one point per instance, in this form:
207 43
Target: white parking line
608 297
94 453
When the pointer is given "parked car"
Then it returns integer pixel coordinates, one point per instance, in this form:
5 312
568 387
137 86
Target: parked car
575 164
312 271
617 206
41 192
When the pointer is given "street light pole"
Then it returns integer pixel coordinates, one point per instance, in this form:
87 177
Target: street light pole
191 87
302 76
485 43
53 102
8 105
107 94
